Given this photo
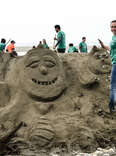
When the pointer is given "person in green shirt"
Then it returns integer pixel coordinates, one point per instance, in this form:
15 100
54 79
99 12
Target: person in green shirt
2 45
45 45
112 49
83 45
72 48
61 42
40 44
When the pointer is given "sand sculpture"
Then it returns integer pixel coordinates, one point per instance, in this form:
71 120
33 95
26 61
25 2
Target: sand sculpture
54 101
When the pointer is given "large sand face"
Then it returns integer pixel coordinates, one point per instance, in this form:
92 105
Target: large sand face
43 75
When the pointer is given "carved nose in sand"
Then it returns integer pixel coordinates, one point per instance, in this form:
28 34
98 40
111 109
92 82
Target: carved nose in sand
43 70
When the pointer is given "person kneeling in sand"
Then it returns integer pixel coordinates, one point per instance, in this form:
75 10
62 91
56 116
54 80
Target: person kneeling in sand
11 49
72 48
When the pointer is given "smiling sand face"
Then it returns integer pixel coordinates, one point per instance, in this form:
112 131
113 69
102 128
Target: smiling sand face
43 74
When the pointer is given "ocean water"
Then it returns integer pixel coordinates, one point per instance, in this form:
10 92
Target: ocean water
21 53
23 50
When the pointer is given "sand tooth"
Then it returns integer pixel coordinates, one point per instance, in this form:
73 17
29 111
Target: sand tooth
53 81
49 82
38 82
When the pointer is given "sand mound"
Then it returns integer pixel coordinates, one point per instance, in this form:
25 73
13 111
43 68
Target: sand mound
53 101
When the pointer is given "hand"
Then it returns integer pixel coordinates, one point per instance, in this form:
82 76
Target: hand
100 41
55 38
54 47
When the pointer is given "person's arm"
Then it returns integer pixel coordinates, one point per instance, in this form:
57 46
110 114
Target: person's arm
59 38
86 48
47 47
13 47
7 48
103 46
68 50
58 41
8 41
80 47
76 50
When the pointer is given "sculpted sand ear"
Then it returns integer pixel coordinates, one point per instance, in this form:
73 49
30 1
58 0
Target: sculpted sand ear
87 78
93 50
99 61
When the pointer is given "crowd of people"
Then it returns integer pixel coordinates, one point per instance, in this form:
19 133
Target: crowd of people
60 43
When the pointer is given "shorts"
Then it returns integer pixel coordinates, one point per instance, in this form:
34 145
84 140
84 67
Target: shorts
61 50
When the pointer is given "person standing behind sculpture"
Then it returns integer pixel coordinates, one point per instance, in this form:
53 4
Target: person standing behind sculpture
2 45
83 45
112 50
40 44
45 45
61 43
72 48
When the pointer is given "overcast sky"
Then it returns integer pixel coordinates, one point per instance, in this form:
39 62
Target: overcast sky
29 21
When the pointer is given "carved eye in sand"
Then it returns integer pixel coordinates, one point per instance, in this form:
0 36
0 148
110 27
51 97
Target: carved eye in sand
33 64
50 64
46 63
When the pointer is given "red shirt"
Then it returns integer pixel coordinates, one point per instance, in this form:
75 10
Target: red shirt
10 48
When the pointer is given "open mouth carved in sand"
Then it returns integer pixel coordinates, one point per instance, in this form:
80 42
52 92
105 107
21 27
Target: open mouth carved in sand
44 82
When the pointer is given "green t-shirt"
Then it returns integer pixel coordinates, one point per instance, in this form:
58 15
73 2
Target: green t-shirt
61 36
83 47
113 50
45 46
72 49
2 46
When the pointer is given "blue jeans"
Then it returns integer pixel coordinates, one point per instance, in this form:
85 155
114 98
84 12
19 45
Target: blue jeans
113 88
